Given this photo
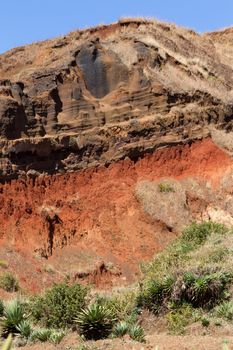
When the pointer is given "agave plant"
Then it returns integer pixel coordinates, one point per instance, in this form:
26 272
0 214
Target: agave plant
136 332
42 334
120 329
206 289
56 336
24 328
13 315
47 334
95 322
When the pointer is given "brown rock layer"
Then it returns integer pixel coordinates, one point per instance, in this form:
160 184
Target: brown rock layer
100 95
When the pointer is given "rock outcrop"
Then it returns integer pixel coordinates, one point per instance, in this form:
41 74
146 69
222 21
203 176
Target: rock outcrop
90 124
99 95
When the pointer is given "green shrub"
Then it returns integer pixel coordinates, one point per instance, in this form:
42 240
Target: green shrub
58 307
13 316
9 282
205 322
165 187
95 322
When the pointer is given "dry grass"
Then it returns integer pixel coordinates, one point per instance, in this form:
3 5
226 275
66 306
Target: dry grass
48 211
166 206
216 253
222 139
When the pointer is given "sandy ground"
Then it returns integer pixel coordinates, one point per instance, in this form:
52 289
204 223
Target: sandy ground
153 342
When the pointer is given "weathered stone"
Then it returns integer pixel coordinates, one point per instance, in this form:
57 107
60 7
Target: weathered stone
135 76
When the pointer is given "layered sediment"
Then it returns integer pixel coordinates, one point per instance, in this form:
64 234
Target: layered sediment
97 96
92 120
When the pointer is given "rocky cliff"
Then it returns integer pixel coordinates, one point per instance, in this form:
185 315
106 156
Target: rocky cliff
103 94
90 123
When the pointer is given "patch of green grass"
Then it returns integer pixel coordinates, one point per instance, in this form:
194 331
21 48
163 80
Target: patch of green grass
47 334
193 273
218 254
205 322
9 282
178 255
122 305
225 310
42 335
56 336
197 234
165 187
3 264
179 318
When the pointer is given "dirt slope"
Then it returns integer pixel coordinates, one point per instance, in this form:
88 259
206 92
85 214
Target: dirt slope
92 225
90 124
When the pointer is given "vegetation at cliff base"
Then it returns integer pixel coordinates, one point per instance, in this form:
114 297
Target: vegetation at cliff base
189 282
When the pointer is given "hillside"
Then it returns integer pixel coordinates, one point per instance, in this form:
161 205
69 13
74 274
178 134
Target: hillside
91 125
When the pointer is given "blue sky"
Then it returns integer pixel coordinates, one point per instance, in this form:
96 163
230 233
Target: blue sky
25 21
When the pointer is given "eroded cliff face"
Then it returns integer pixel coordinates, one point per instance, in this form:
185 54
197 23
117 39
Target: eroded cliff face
90 124
100 95
98 224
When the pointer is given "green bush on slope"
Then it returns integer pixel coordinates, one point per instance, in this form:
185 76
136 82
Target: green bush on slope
58 307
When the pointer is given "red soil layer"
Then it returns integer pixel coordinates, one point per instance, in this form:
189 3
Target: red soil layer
84 217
